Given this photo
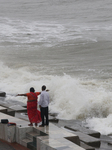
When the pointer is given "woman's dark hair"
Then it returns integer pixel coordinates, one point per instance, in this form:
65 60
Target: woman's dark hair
43 87
32 89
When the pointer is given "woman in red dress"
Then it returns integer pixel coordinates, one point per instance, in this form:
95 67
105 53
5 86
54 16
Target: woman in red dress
33 114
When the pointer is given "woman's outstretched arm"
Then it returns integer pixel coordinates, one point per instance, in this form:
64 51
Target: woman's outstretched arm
21 95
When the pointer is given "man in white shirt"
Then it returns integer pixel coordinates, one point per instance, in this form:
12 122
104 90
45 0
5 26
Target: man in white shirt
43 104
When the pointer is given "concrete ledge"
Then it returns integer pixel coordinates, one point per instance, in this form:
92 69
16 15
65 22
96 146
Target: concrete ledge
18 122
10 112
84 130
50 137
74 139
58 139
7 133
44 143
67 135
3 109
91 141
18 108
10 103
86 147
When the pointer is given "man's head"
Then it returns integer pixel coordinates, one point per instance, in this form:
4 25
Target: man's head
32 89
43 88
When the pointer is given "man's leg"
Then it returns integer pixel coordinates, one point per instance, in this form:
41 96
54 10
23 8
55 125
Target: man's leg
42 115
46 115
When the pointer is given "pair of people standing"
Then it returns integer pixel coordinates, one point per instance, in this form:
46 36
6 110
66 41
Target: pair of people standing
34 115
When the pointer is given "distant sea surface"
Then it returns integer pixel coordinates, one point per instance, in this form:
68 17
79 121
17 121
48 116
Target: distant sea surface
66 45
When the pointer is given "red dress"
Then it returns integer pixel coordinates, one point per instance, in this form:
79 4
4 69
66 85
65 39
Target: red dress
33 114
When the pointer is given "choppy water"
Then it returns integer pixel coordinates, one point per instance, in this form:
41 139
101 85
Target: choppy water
66 45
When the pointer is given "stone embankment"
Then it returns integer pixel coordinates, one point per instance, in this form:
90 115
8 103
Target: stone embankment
59 135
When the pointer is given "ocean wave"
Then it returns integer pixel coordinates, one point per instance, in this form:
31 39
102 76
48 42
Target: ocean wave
49 34
71 97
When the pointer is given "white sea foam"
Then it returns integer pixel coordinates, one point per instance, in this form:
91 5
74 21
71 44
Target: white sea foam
48 34
103 125
70 97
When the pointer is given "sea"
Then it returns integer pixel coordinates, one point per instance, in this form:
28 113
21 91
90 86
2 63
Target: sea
65 45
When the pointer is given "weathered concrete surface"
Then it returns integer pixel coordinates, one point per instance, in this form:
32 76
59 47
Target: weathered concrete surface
10 112
18 108
13 106
62 123
84 130
9 103
21 115
86 147
104 146
105 138
3 109
106 142
74 139
18 121
78 124
58 139
91 141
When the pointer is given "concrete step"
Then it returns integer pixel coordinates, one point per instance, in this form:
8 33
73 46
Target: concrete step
62 123
104 146
25 141
91 141
84 130
33 143
39 132
86 147
105 138
3 109
10 112
57 144
31 146
32 134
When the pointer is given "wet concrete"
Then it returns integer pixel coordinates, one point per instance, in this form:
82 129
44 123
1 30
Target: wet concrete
76 126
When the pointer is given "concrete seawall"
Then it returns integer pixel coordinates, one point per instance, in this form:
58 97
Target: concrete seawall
59 135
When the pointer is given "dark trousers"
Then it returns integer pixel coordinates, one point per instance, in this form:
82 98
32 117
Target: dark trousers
44 114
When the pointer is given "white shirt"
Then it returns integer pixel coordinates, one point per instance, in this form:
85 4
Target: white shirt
44 99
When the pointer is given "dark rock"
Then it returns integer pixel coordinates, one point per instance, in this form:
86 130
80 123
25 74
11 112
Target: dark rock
53 114
53 119
2 94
